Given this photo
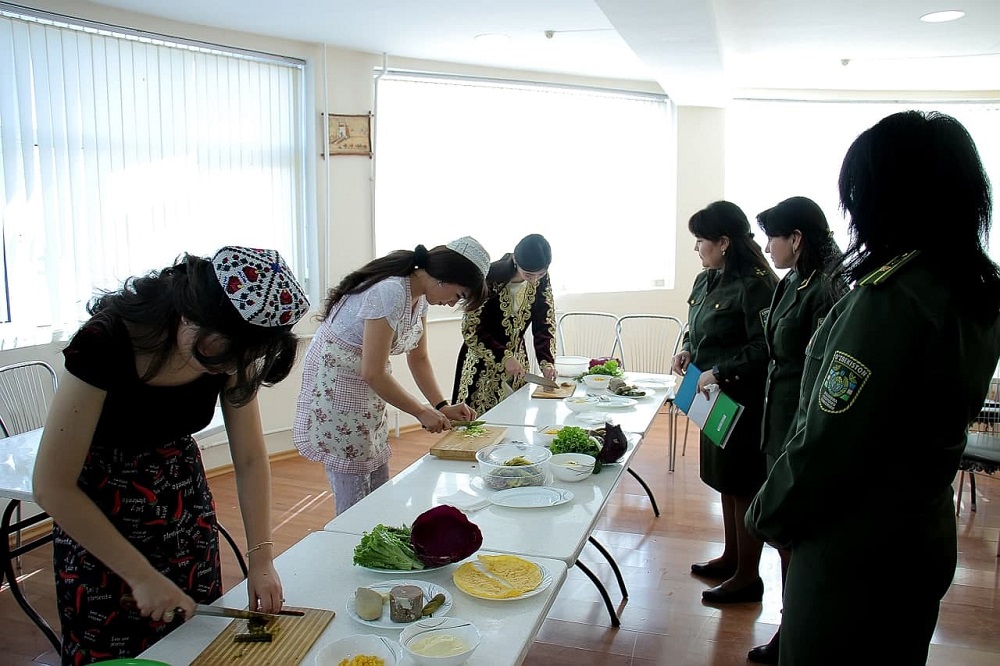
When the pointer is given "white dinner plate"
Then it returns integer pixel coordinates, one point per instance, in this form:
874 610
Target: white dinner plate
531 497
430 590
655 384
617 402
546 581
406 572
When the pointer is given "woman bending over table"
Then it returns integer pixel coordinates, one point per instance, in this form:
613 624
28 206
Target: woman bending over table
727 313
926 291
798 239
379 311
118 469
494 352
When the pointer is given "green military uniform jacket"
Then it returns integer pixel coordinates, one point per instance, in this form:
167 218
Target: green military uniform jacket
726 319
797 309
891 382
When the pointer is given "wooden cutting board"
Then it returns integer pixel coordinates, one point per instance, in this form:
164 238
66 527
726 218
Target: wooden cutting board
292 640
456 446
565 390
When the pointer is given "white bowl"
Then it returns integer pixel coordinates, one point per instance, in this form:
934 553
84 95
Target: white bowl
572 466
545 434
460 629
581 403
357 644
597 382
571 366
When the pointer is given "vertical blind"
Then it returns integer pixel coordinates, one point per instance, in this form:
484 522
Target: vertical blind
591 170
122 151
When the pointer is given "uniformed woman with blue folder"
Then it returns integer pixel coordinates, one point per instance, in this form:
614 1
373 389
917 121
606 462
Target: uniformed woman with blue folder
727 313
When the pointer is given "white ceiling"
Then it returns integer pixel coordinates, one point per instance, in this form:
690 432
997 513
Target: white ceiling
699 51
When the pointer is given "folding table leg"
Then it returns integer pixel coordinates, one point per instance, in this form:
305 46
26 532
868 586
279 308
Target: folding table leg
656 509
614 565
615 620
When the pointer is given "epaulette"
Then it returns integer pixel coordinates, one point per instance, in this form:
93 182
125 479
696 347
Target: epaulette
881 274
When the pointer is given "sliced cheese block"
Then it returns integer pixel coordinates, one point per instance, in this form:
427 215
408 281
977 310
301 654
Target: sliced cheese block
368 604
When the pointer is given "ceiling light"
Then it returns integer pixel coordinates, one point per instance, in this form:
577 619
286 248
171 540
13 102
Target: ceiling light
942 17
492 39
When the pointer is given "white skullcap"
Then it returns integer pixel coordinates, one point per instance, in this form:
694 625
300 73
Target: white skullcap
469 247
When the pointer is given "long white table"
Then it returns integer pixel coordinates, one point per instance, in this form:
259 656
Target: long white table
317 573
558 532
520 409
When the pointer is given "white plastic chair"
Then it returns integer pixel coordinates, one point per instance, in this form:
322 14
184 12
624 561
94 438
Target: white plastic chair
648 342
26 391
590 334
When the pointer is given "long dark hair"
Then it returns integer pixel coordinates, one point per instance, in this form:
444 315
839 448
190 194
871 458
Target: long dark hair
532 253
154 305
914 181
724 218
818 249
440 262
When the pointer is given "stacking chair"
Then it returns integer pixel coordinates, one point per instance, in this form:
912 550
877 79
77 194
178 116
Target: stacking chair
26 391
648 342
594 334
590 334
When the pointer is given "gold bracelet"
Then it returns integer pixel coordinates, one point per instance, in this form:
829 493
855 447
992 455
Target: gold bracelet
258 547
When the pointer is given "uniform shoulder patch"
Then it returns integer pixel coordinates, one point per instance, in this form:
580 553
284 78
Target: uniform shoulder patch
844 380
882 273
763 316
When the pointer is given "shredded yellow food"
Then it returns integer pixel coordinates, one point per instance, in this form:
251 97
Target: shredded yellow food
497 577
362 660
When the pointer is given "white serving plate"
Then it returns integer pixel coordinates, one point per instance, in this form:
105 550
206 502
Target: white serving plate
531 497
430 591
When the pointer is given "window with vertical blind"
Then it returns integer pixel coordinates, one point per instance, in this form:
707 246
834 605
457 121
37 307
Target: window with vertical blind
122 150
592 170
777 149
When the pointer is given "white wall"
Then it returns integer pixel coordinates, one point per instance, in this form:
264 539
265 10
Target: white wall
340 81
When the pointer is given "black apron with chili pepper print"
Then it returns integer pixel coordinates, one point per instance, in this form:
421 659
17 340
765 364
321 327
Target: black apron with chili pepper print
144 472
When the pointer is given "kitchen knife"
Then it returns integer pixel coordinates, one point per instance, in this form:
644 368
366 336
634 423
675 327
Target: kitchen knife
128 602
541 381
220 611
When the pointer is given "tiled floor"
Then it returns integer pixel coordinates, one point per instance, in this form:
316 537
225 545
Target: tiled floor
664 620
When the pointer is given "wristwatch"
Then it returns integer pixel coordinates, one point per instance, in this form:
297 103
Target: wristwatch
715 371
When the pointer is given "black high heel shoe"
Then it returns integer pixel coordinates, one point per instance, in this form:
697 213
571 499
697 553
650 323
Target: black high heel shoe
767 653
720 595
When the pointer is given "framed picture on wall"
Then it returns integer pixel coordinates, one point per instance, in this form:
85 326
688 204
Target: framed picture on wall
350 134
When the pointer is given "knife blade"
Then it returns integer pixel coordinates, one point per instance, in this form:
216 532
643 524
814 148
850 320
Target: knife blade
222 611
541 381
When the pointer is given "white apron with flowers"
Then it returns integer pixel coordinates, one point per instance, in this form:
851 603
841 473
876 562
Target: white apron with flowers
340 421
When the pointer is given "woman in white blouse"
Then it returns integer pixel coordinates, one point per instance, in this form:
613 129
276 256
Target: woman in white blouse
377 311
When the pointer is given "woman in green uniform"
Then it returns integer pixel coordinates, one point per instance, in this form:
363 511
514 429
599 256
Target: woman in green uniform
799 239
927 296
725 339
493 353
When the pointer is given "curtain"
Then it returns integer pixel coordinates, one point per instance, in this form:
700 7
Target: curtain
589 169
121 152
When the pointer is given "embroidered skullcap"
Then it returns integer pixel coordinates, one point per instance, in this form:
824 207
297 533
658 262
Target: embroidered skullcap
533 253
469 247
260 285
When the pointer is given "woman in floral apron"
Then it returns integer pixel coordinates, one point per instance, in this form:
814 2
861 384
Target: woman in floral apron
376 312
118 469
